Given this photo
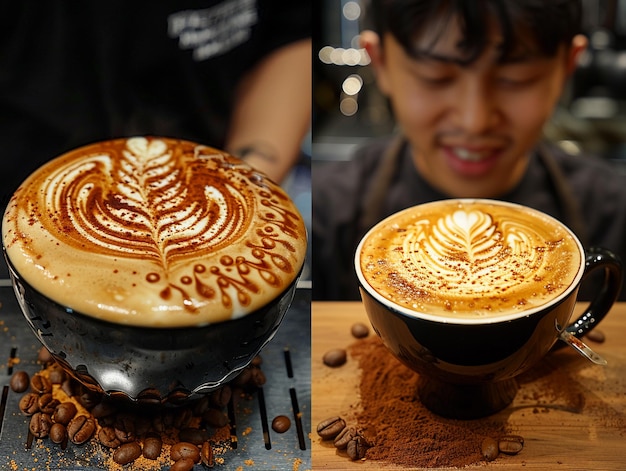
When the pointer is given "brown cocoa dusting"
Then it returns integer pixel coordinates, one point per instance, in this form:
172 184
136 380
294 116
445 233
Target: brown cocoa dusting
399 428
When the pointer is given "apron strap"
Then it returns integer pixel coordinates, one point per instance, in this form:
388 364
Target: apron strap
372 211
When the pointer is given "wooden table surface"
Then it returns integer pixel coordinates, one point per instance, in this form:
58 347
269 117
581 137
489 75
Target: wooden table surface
591 439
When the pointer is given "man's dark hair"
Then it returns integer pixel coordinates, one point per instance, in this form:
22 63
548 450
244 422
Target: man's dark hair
537 27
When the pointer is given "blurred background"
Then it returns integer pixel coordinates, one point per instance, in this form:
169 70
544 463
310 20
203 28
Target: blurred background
348 109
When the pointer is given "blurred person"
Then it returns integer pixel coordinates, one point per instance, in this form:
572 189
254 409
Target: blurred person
231 74
471 86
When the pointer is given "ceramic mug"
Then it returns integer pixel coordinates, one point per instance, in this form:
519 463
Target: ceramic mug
471 293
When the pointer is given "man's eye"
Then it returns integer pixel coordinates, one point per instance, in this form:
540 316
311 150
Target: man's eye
516 82
436 81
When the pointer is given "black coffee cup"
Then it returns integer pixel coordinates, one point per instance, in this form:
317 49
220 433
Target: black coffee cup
467 365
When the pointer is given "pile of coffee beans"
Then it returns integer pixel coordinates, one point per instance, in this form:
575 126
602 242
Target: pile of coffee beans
344 438
65 412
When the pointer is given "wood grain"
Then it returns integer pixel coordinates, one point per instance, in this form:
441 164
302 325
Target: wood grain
593 438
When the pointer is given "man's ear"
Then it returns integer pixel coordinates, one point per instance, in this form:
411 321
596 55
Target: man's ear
372 43
579 45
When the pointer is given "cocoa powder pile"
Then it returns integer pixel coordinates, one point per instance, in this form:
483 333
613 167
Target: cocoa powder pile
399 428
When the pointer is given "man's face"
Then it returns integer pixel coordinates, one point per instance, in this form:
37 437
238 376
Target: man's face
471 126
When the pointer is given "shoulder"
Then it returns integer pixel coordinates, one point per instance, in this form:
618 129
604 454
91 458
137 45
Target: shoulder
585 166
599 187
593 179
349 177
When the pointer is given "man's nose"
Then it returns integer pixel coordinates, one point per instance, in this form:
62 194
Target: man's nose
477 109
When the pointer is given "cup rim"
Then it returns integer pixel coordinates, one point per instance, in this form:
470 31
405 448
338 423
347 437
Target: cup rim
17 279
363 283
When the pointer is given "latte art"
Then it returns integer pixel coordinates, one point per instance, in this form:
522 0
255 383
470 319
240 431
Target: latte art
469 258
154 231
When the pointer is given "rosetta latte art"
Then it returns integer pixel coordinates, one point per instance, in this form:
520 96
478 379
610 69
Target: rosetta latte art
468 250
467 258
144 205
198 225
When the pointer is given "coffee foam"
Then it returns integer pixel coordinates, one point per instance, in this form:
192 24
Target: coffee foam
154 232
469 258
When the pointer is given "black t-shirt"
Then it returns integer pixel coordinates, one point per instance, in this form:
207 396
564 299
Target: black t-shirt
591 201
73 72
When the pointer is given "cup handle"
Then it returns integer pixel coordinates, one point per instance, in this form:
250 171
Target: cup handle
595 259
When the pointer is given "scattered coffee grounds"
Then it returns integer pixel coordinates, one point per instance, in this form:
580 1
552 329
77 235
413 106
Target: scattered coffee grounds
399 429
359 330
335 357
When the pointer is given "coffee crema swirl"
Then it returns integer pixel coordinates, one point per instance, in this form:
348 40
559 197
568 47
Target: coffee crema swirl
155 232
469 258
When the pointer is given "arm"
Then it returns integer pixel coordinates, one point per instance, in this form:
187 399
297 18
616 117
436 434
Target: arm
273 110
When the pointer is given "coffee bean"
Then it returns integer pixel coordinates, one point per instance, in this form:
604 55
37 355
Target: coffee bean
44 356
64 412
127 453
103 409
344 437
221 397
489 449
206 455
359 330
142 425
511 444
193 435
335 357
29 403
40 384
158 424
168 418
183 450
184 464
125 423
47 403
281 424
201 405
215 418
596 335
69 387
57 374
58 433
356 448
328 429
152 446
107 437
20 381
40 424
244 378
89 399
80 429
182 417
125 436
178 396
258 378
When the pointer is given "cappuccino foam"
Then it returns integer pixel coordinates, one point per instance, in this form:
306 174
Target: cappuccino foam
154 232
470 258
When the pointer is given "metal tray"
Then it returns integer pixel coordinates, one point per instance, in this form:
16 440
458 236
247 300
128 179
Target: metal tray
286 364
